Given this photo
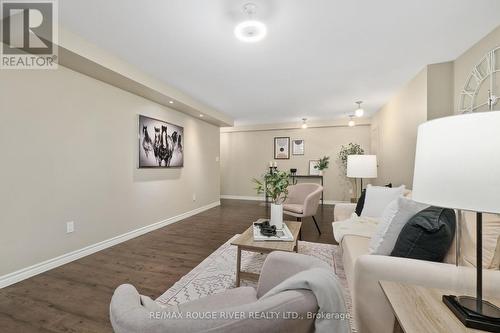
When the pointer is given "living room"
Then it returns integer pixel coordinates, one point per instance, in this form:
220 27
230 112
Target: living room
256 166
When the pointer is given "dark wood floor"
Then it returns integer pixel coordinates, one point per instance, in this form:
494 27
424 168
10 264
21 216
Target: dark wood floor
75 297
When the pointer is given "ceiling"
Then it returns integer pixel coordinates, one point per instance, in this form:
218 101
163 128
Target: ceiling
318 58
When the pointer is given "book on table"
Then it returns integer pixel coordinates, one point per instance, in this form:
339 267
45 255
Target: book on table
283 235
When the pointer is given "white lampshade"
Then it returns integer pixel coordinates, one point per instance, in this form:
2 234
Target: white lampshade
362 166
457 164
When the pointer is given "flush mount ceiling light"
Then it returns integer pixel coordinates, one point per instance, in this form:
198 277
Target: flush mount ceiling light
351 122
359 111
304 123
250 31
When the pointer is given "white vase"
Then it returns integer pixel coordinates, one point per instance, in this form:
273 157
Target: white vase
276 216
320 172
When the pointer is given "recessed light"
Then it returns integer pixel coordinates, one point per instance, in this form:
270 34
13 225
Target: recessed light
201 116
171 102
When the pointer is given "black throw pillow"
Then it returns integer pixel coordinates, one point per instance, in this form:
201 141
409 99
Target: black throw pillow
427 235
361 200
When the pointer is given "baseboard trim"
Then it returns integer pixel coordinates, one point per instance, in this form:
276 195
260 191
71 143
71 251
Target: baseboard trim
251 198
25 273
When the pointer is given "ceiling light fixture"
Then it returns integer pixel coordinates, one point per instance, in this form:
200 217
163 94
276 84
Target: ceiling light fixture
304 123
201 116
359 111
171 102
351 122
251 30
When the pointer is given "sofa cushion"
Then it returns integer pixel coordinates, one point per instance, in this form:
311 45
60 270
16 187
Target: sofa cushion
379 197
491 232
427 236
361 201
395 216
294 208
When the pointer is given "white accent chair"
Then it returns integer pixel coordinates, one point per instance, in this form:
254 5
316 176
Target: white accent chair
303 201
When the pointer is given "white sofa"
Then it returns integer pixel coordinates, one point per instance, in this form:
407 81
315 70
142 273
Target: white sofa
372 311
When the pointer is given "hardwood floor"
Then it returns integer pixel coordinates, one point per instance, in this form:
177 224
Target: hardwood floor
75 297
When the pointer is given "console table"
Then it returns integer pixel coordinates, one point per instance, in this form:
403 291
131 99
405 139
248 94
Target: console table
294 179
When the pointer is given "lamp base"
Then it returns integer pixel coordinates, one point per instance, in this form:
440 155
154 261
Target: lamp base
465 308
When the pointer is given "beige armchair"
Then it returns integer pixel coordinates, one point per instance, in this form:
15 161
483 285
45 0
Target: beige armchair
303 201
131 312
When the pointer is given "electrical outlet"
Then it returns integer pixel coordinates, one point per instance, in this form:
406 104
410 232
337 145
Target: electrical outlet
70 227
194 196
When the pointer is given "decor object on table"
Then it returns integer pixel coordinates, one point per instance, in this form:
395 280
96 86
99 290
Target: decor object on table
322 164
160 144
298 147
293 171
281 148
479 92
303 201
361 166
263 231
275 186
313 170
456 166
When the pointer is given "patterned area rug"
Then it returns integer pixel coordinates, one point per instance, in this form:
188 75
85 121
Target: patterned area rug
217 272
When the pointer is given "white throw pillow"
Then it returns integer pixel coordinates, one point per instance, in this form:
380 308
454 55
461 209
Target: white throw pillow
395 216
379 197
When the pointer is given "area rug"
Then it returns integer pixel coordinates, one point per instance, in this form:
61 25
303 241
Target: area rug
217 272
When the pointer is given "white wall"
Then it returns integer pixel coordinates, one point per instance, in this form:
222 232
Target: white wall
69 153
394 132
246 154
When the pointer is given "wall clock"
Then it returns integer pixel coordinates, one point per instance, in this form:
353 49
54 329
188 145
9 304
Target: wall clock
481 91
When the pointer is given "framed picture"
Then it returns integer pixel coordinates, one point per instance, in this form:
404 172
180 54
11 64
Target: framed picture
281 148
161 144
297 147
312 170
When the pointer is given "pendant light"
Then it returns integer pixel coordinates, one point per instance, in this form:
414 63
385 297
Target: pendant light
359 111
250 31
351 122
304 123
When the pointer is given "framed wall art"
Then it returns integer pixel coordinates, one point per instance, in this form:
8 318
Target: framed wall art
161 144
312 170
281 148
297 147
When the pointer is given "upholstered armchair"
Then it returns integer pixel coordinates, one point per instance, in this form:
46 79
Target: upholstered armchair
131 312
303 201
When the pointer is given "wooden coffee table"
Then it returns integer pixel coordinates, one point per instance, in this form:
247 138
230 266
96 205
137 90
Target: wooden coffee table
246 243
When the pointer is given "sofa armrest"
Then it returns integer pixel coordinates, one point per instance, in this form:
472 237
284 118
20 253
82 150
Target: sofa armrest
373 312
343 211
279 266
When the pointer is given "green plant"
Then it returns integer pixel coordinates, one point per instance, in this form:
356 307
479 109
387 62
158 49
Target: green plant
323 163
350 149
275 185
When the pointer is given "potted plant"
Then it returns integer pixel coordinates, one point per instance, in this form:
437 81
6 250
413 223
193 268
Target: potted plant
350 149
323 164
275 185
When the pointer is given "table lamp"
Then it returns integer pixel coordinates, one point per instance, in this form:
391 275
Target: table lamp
457 165
362 166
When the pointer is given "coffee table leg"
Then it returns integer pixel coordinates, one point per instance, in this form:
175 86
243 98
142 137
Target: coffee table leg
238 266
